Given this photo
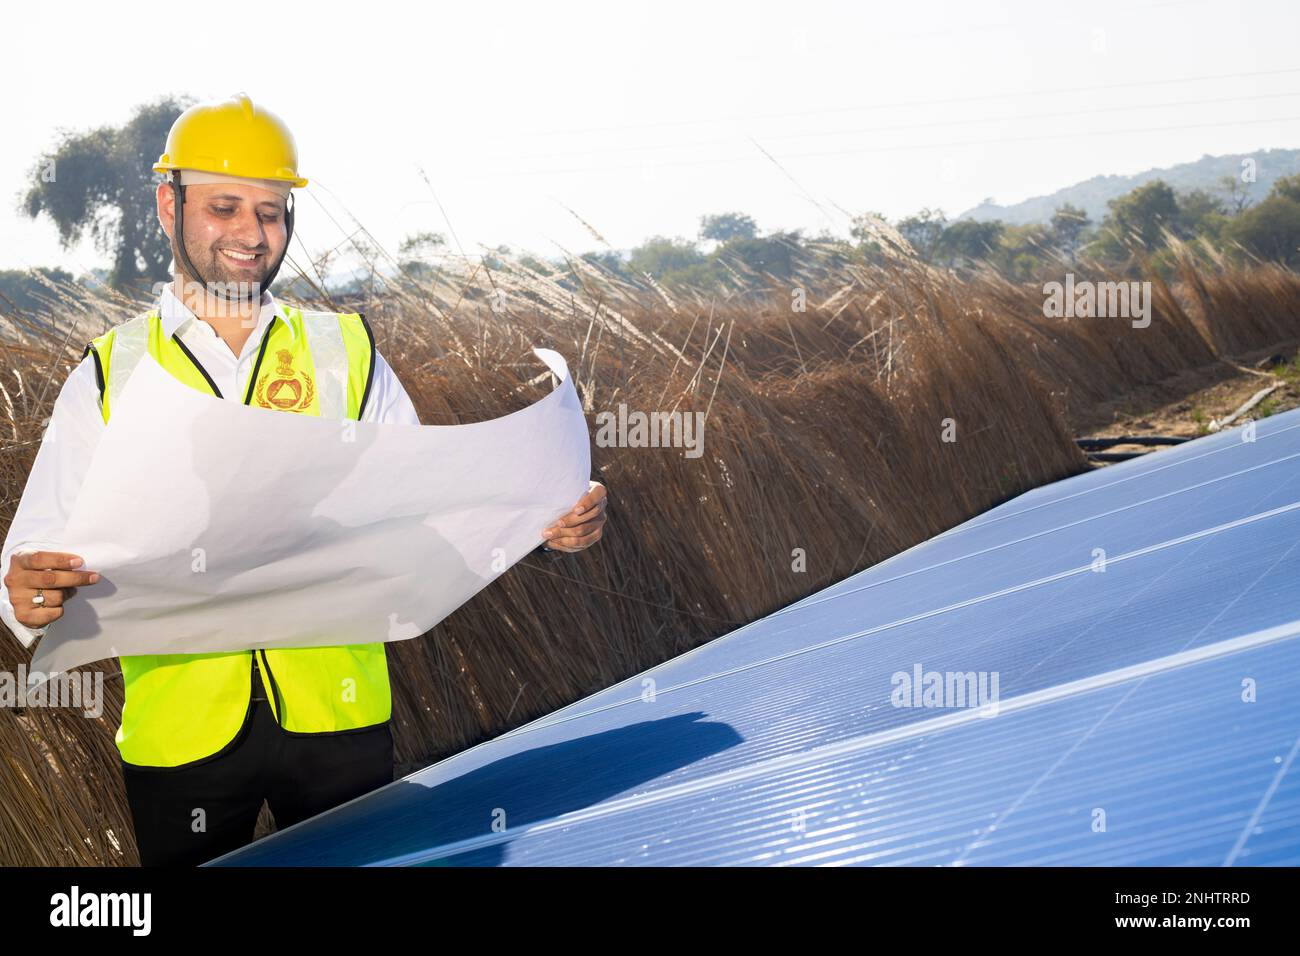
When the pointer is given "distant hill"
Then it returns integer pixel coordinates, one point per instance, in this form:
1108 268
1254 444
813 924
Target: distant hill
1091 195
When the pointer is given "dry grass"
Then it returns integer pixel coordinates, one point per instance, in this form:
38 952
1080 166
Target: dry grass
824 433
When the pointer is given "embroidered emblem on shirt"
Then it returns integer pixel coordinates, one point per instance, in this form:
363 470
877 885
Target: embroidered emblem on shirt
291 390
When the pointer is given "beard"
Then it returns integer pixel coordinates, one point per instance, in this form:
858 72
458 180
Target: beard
224 277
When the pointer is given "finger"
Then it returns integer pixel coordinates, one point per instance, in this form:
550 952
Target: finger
43 560
33 616
587 527
574 518
590 499
563 532
49 579
54 597
581 516
575 542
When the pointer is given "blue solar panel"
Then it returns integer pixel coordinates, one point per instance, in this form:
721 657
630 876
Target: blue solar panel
1141 621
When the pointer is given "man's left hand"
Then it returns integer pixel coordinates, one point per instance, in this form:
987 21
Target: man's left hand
581 527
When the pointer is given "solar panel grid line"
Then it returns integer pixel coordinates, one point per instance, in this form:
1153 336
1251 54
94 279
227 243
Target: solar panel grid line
972 783
717 829
1038 534
1209 816
1263 804
1167 760
1212 826
1065 756
754 773
747 840
926 615
960 792
1176 457
831 822
1208 624
1029 830
855 745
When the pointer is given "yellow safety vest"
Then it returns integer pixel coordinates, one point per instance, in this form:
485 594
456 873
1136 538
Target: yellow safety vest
181 709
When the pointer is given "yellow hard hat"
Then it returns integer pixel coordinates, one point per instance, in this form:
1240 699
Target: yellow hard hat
232 137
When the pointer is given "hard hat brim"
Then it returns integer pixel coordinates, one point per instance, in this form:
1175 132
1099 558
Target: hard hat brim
162 167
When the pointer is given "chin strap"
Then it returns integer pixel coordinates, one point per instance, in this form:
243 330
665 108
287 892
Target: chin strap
178 191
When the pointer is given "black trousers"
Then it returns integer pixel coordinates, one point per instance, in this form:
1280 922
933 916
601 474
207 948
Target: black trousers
188 815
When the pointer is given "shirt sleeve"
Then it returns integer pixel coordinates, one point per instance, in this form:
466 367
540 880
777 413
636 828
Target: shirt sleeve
74 429
388 403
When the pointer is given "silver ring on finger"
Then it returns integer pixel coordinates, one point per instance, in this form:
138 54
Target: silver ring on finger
39 596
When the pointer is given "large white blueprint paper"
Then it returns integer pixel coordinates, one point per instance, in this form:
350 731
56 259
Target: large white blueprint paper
218 526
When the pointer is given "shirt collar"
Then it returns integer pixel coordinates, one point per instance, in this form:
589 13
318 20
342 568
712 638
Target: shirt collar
175 313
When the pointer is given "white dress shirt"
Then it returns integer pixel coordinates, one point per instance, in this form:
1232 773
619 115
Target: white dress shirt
76 424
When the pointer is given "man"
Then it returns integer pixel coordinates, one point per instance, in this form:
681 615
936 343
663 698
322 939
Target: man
204 738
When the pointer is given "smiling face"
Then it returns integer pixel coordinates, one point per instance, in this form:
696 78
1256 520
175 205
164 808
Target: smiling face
234 233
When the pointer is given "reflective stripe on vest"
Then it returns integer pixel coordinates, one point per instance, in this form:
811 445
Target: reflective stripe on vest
183 708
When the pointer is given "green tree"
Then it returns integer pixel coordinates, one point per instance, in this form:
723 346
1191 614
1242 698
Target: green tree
608 260
1135 220
1200 213
660 255
774 254
923 231
1236 198
1069 223
1023 250
419 244
413 249
1287 188
102 181
1271 228
869 231
727 226
967 241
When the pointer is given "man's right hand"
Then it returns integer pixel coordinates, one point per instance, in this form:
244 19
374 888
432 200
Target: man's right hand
53 571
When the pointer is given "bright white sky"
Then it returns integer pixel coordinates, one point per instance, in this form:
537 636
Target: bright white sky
641 117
